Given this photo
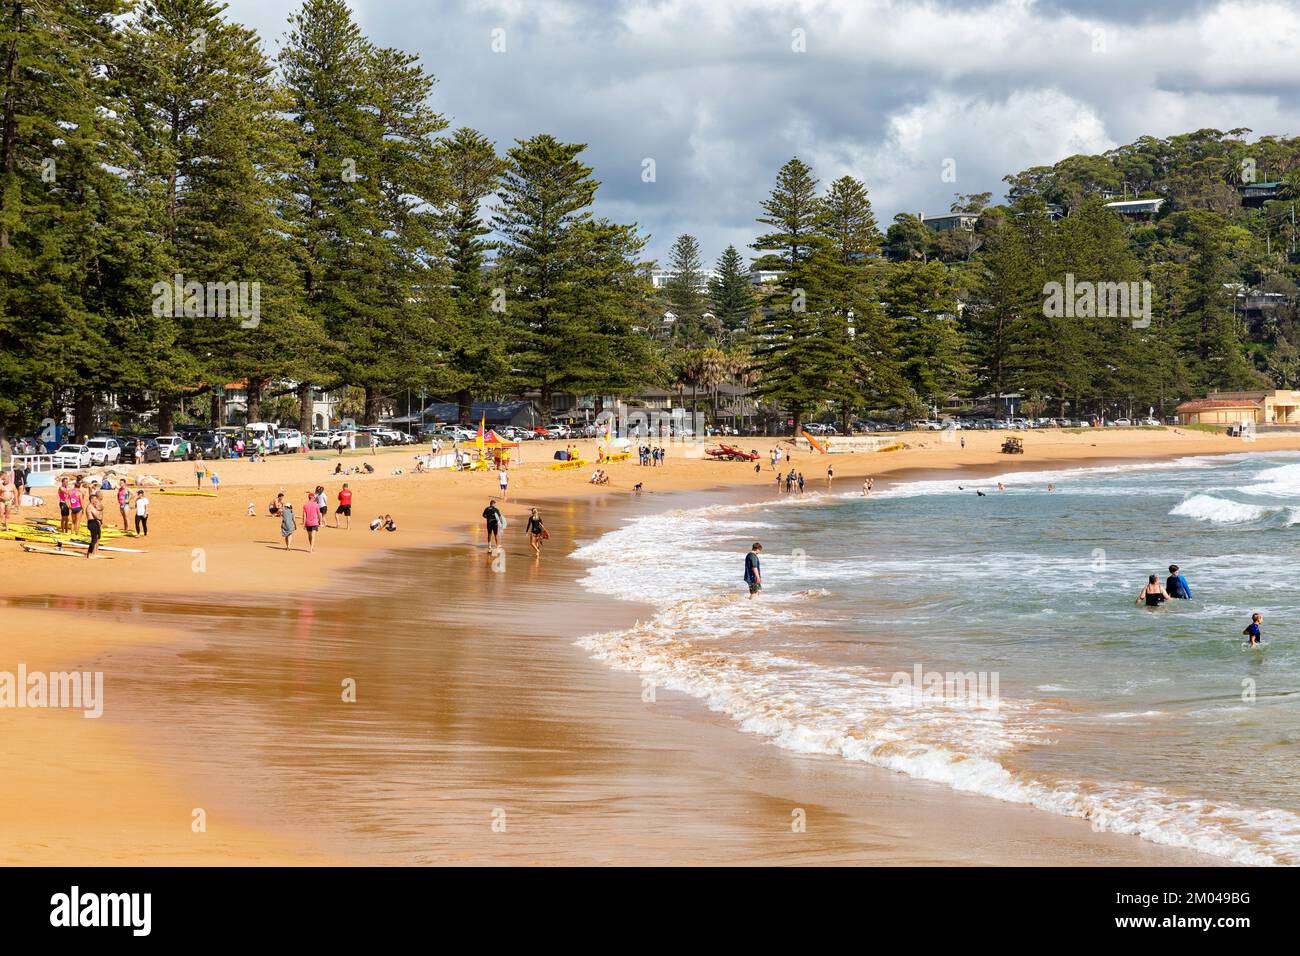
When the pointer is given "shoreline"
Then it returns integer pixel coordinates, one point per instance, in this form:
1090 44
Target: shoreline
703 740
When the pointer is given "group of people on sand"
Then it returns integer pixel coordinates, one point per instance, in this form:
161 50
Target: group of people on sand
80 499
651 457
314 511
363 469
1176 588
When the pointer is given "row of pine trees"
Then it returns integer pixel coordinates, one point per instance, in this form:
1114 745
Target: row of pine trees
145 141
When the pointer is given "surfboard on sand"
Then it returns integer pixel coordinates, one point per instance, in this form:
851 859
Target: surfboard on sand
32 549
183 491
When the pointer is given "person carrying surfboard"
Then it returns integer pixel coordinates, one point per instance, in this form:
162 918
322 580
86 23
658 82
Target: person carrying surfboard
495 521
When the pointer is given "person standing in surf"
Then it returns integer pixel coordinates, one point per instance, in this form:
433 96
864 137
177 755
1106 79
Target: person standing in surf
1253 631
1154 594
754 570
1177 586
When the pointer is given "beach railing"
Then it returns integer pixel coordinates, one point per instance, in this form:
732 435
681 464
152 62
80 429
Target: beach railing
36 463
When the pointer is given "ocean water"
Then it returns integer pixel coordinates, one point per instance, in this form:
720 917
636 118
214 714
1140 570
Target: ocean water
992 643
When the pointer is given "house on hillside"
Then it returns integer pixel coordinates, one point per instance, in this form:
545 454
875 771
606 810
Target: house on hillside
1139 210
1256 194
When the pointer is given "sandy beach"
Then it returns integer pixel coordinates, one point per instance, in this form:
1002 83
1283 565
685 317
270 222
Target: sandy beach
479 733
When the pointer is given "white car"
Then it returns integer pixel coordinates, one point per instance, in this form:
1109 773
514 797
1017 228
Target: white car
168 446
73 457
104 451
290 440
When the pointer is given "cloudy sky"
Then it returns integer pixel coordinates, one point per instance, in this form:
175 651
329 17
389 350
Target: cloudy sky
719 93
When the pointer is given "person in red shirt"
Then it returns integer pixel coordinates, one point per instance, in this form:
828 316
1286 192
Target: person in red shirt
311 520
345 507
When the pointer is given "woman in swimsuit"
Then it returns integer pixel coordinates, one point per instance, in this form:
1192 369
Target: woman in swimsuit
536 532
1154 594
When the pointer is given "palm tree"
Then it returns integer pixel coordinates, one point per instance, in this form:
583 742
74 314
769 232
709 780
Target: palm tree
714 367
689 370
741 370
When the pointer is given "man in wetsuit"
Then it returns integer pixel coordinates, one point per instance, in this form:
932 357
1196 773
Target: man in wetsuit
492 515
1176 584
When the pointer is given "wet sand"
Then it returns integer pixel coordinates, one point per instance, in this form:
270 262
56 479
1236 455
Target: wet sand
479 735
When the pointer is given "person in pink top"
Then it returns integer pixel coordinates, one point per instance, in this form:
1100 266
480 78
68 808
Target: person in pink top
65 516
311 520
74 506
123 502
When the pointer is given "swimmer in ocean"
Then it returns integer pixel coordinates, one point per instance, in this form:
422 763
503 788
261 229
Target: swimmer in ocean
1252 630
1154 594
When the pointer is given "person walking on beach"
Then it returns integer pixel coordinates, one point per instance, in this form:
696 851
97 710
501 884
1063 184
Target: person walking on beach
503 482
287 524
1154 594
344 508
537 532
323 503
801 482
754 570
830 476
1177 585
94 520
1253 631
492 515
141 513
311 520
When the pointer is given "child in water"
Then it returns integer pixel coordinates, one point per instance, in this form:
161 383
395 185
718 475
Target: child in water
1252 630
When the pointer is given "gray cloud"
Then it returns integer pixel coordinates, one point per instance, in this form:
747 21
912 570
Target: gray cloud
713 91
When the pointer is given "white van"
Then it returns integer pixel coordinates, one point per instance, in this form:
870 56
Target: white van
267 433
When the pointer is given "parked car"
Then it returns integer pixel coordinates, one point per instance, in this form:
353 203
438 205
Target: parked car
72 457
104 451
171 447
209 445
